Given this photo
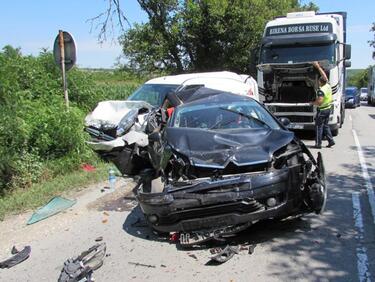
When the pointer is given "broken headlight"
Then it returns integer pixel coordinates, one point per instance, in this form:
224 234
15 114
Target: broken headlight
126 122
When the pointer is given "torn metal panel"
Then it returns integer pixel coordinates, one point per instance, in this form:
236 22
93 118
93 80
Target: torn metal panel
141 139
107 146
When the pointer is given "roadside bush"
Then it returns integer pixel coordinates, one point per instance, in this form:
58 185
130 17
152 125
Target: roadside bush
39 138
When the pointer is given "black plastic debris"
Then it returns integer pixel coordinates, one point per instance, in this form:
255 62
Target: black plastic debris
142 264
251 249
14 250
193 256
18 257
82 267
98 239
226 254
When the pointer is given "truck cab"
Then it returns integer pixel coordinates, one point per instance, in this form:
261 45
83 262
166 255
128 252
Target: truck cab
287 79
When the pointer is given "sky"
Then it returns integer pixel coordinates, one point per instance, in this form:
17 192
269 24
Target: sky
34 24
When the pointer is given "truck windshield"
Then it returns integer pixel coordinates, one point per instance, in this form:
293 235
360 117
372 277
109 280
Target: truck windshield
297 54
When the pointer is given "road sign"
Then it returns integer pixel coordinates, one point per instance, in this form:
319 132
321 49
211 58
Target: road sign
65 49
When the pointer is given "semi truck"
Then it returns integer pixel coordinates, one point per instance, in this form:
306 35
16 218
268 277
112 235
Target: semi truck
287 79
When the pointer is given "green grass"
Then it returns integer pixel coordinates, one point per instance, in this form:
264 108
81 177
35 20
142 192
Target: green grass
20 200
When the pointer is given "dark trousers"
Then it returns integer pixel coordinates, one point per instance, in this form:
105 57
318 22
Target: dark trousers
322 128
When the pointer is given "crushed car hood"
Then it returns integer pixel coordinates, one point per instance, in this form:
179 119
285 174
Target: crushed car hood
216 149
110 113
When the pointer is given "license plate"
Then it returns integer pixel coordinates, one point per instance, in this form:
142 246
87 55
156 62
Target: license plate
295 126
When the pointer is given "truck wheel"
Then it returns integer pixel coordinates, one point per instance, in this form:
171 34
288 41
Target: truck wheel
335 132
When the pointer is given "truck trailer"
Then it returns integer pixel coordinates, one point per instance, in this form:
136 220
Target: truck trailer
287 79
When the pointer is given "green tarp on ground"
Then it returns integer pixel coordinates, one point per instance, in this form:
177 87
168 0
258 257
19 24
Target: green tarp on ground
54 206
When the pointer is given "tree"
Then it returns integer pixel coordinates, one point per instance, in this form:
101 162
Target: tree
372 42
359 79
196 35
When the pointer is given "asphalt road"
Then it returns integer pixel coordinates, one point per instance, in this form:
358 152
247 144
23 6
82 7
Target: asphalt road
337 246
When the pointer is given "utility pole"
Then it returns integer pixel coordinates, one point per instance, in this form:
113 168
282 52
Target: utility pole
62 62
64 52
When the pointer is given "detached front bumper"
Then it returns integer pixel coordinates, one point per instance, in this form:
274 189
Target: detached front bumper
209 204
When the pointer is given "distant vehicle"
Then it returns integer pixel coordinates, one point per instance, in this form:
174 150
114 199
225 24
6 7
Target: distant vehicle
352 97
371 87
363 94
155 90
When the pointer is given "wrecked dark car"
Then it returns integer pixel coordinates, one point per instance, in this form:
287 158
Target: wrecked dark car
218 164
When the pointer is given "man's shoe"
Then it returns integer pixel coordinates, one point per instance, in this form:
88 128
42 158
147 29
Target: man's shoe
317 146
331 144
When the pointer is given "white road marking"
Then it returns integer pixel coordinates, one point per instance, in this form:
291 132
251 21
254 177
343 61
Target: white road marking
362 260
366 176
350 117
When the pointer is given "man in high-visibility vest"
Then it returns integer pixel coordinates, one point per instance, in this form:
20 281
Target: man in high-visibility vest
324 102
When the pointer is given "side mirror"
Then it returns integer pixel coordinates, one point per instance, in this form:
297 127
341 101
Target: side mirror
284 121
347 51
347 64
154 137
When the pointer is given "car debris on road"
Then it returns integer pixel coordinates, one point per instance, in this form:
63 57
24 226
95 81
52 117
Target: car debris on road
18 257
226 254
54 206
82 267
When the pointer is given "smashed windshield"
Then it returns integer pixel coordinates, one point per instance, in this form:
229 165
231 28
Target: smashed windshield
297 54
243 114
153 94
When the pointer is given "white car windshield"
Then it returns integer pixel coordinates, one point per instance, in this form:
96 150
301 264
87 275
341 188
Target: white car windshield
153 94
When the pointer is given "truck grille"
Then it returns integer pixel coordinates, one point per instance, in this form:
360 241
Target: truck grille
299 118
282 109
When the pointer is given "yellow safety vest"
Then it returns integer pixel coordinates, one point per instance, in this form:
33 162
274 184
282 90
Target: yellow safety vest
327 99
